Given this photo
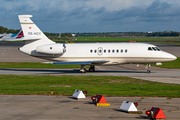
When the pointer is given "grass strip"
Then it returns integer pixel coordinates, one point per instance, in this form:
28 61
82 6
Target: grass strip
172 65
66 85
117 39
34 65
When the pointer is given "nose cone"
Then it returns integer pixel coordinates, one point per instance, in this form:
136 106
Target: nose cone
168 56
173 57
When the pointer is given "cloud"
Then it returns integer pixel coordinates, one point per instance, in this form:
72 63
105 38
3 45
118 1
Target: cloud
157 11
93 15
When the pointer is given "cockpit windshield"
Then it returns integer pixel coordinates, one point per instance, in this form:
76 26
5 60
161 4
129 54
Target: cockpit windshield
154 49
158 49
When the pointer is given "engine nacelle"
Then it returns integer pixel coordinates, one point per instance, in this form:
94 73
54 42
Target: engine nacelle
51 49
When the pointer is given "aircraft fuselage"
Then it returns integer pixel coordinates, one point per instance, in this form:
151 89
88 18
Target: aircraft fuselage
115 53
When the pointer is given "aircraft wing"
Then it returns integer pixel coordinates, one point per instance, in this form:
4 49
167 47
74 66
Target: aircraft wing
81 62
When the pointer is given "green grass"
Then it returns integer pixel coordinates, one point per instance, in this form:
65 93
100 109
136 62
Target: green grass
114 39
173 64
34 65
105 85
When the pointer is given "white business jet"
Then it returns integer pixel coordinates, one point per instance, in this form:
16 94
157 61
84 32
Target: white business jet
38 45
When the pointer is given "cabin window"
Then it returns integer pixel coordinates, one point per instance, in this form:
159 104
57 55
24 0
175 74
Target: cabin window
91 51
113 51
95 51
50 47
121 51
100 51
117 51
109 51
104 51
126 51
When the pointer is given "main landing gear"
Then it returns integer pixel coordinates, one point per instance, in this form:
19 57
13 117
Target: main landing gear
83 69
92 68
148 66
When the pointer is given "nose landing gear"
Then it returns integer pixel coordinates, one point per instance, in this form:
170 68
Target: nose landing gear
83 69
148 66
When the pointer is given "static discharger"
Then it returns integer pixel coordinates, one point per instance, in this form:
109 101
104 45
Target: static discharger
99 100
155 113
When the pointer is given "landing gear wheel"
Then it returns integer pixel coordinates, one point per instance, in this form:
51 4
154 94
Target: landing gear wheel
148 71
92 68
148 68
83 71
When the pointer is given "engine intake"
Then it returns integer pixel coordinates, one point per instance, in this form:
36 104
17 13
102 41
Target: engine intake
51 49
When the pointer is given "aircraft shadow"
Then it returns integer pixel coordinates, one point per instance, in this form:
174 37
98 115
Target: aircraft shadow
63 71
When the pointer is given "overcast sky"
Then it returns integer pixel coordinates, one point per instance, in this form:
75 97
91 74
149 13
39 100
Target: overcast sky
94 15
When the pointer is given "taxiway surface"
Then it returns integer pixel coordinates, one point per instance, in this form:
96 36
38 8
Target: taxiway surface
61 107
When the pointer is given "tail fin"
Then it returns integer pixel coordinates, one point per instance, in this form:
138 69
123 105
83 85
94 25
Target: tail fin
30 30
20 34
32 34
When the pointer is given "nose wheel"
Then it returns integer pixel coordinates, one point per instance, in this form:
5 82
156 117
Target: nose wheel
148 71
148 66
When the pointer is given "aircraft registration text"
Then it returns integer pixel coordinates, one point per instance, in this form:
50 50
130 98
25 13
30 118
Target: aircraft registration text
34 33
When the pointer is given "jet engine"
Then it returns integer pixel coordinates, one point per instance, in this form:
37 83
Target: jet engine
51 49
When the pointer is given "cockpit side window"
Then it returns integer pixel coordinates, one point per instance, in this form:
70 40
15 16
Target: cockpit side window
149 48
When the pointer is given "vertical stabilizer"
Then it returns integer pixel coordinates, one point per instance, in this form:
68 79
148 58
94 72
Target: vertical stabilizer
20 34
32 35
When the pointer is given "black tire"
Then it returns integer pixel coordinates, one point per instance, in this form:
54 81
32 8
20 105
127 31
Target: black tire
148 71
91 70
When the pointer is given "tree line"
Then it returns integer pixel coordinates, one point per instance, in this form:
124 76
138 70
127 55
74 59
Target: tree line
6 30
162 34
100 34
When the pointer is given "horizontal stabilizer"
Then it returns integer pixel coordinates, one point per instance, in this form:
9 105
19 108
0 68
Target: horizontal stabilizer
81 62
